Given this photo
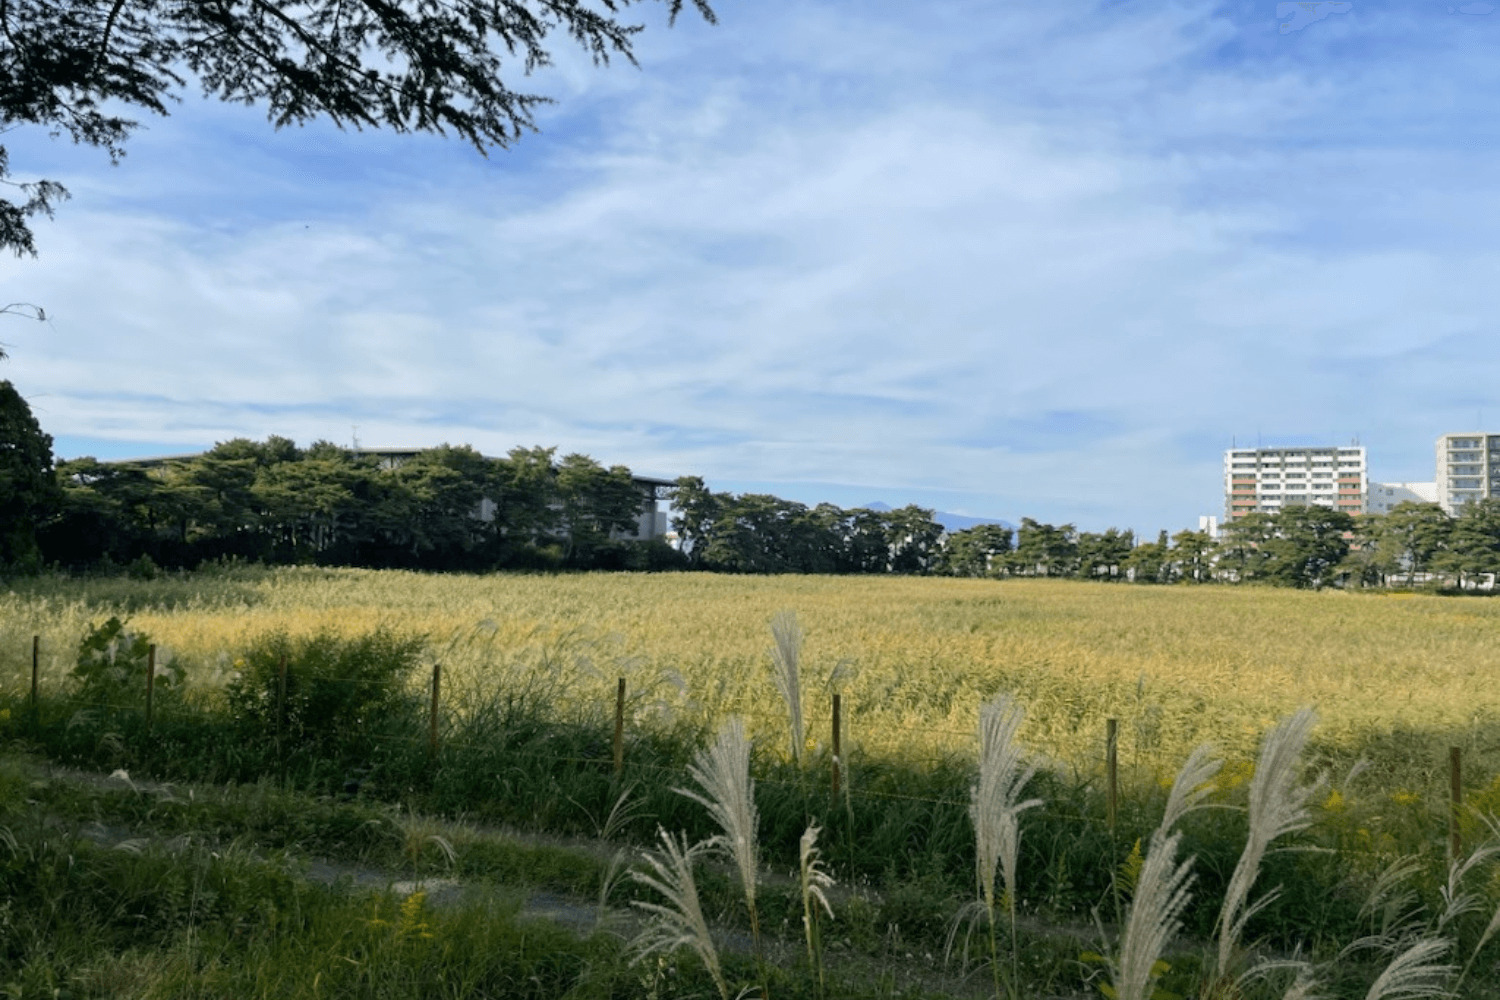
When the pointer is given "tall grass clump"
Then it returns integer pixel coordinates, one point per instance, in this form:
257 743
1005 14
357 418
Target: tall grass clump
678 923
786 655
722 771
995 808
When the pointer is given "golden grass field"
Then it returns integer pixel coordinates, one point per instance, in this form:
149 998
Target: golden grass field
1177 665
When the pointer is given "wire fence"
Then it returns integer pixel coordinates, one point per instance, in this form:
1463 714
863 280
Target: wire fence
840 760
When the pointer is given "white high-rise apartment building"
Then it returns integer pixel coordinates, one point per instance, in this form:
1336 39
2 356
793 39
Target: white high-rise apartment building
1468 468
1270 479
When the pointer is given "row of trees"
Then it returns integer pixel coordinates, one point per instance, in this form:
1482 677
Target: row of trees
444 508
760 533
452 508
1307 546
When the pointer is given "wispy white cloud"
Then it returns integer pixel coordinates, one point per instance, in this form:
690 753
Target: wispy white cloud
1038 261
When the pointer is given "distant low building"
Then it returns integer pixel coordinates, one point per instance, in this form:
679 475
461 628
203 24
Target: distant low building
1385 496
652 522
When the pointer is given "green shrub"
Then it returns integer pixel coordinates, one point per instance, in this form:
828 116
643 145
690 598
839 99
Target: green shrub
347 702
143 568
112 665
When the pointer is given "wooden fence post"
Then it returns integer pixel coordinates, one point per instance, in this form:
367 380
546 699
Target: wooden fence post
1112 769
280 714
36 658
838 748
432 725
1455 800
619 745
150 681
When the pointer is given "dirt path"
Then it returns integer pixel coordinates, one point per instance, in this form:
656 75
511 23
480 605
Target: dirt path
579 915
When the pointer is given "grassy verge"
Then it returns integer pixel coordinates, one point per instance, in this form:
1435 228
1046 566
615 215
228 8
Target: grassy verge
117 888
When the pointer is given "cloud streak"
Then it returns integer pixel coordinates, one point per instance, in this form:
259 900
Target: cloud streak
1046 261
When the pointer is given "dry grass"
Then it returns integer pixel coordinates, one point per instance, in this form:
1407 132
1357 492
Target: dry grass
1177 665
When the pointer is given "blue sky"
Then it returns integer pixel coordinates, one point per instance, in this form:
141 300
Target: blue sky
1004 259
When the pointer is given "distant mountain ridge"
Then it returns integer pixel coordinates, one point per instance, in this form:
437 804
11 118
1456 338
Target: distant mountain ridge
950 522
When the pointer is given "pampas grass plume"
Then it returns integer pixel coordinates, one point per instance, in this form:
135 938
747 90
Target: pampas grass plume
1161 894
786 656
1413 974
1278 806
679 922
722 772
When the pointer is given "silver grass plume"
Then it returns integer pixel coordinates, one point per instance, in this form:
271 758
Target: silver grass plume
1484 939
1161 894
814 880
679 922
1278 806
1192 786
1458 901
722 771
786 656
1413 974
1395 906
995 808
1494 923
1161 890
994 803
1302 987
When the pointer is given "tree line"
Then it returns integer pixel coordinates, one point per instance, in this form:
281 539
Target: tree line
451 508
442 508
1303 546
273 502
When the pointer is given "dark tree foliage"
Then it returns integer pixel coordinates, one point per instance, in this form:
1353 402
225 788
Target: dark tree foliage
78 67
1044 550
443 508
451 508
760 533
976 551
1103 555
28 488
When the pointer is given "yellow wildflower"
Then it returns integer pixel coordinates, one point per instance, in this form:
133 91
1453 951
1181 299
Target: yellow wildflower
413 916
1235 774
